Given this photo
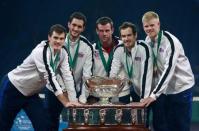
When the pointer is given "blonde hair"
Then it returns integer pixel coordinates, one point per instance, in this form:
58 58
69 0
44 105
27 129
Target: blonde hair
149 15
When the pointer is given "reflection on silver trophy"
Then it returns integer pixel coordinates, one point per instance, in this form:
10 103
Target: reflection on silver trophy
105 88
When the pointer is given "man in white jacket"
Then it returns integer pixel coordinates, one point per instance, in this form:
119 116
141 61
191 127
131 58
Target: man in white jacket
135 57
80 57
21 86
103 53
171 98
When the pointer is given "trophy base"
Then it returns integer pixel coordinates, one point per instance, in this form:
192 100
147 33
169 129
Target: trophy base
104 101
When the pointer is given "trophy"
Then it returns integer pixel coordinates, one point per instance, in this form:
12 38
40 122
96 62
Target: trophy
105 114
105 88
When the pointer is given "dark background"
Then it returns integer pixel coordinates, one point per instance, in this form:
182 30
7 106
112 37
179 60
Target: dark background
24 23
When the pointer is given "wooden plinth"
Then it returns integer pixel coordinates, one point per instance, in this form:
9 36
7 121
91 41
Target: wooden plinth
107 128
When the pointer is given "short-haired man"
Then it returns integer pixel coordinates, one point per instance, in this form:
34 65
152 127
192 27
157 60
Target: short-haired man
80 54
21 86
135 57
171 98
103 52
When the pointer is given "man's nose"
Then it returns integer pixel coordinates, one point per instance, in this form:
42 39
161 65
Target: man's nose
125 38
75 28
58 40
104 33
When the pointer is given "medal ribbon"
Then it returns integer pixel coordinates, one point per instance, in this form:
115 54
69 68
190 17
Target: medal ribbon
72 61
54 60
129 71
155 56
107 65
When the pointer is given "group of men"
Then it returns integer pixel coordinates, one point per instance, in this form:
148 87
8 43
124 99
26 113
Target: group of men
160 73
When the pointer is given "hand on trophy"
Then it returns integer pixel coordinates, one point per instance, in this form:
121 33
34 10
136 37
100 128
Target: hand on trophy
136 104
72 103
147 101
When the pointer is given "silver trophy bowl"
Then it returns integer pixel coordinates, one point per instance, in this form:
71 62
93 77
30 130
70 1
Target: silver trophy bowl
105 88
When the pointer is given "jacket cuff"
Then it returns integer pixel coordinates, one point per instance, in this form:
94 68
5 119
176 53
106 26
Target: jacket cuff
82 99
153 96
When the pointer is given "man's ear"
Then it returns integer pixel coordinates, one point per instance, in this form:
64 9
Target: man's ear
68 24
96 31
49 37
113 30
83 28
159 23
136 35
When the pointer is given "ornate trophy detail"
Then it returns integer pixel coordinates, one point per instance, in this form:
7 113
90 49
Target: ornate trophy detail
118 115
74 113
86 115
143 115
133 116
102 113
104 87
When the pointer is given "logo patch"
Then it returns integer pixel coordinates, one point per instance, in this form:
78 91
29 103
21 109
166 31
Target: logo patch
161 50
96 54
138 58
80 54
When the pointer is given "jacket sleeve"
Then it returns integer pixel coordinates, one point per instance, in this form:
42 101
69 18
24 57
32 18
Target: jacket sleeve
42 61
87 73
147 72
116 63
67 77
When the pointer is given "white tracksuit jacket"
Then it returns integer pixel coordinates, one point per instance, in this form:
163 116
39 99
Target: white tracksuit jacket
84 65
174 70
141 60
35 72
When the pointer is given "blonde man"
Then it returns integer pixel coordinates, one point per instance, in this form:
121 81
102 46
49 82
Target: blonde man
173 79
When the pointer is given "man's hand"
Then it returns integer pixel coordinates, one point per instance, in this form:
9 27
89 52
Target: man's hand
147 101
72 103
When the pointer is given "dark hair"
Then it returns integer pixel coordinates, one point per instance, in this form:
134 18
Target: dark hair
128 25
104 20
78 15
58 29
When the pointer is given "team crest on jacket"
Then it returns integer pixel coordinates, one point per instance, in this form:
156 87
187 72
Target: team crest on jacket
138 58
96 53
161 50
80 54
